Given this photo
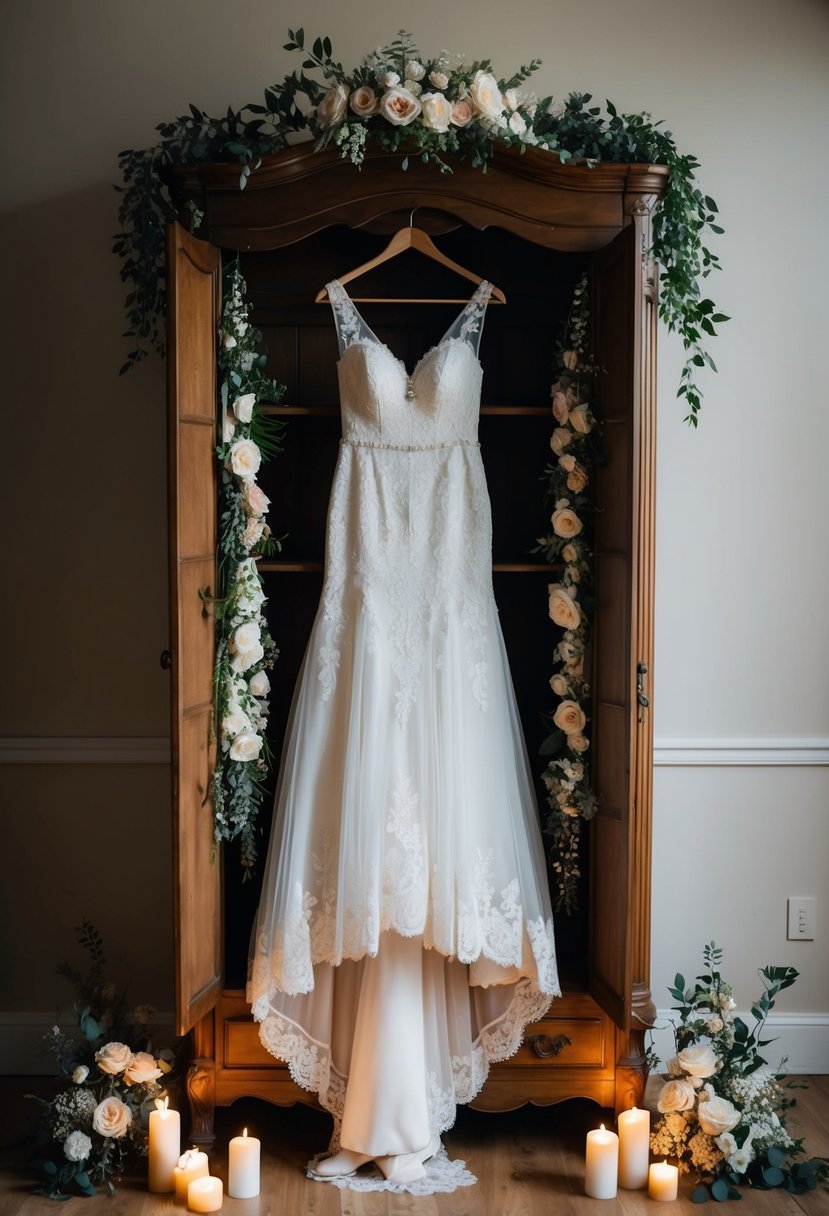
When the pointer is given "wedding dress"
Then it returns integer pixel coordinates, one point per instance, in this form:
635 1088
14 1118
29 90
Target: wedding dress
404 937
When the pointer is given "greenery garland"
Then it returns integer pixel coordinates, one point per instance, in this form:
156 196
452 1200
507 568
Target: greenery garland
466 112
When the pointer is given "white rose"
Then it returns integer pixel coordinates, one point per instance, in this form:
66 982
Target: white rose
141 1069
558 109
245 459
511 99
439 79
566 523
80 1074
569 717
246 638
112 1118
242 660
246 746
562 608
560 438
388 79
235 722
399 106
77 1146
243 406
517 124
698 1060
113 1058
717 1115
331 109
437 111
415 70
676 1095
260 685
486 96
414 88
741 1158
228 426
228 340
727 1143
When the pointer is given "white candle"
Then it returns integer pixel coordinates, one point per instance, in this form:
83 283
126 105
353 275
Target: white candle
164 1148
663 1181
191 1164
601 1164
204 1195
243 1166
634 1148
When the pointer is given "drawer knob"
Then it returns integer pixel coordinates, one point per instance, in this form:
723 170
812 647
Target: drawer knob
544 1046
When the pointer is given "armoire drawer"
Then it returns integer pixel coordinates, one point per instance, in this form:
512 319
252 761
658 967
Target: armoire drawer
243 1047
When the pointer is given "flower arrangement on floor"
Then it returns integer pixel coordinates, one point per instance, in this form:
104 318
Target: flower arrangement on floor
245 649
724 1114
93 1126
574 442
436 105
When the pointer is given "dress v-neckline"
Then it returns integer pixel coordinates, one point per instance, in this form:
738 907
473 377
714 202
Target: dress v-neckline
484 283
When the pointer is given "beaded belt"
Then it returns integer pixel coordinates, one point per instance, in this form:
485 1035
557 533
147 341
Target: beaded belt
410 447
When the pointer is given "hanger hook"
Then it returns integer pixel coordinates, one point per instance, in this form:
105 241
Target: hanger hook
411 217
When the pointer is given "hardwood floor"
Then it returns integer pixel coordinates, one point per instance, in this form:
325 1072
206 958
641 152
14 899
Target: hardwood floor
528 1162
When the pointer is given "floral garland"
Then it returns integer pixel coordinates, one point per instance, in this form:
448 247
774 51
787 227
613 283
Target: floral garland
244 646
724 1114
435 105
570 798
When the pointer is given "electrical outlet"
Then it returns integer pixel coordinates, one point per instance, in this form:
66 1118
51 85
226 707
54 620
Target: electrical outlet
801 918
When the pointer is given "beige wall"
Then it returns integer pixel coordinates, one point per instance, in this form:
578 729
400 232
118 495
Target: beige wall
742 577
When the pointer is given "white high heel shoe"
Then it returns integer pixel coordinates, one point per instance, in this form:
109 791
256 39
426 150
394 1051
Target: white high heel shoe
343 1163
406 1167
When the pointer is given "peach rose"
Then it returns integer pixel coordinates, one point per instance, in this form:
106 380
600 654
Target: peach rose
580 419
578 743
486 96
332 107
113 1058
364 101
569 553
462 114
569 717
561 409
256 499
112 1118
571 359
439 79
577 480
399 106
560 438
141 1068
566 523
437 111
562 608
567 462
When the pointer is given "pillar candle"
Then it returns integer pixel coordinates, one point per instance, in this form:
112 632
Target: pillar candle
663 1181
205 1194
191 1164
243 1166
164 1147
634 1148
601 1164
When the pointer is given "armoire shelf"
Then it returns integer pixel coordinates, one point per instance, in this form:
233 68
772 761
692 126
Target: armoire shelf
534 226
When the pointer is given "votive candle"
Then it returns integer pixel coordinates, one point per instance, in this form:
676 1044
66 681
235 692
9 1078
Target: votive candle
601 1163
205 1194
191 1164
164 1147
634 1148
243 1166
663 1181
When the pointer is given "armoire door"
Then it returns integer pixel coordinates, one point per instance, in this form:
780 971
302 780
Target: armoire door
194 292
623 307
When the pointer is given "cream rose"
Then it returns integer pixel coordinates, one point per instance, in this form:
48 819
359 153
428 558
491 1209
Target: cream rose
511 99
577 480
388 79
80 1074
256 499
439 79
253 530
228 426
77 1146
462 114
698 1060
260 685
578 743
437 111
414 70
569 553
567 462
676 1095
113 1058
566 523
562 608
726 1143
414 87
245 459
243 406
570 810
364 101
332 107
559 685
112 1118
569 717
717 1115
560 438
399 106
246 746
561 409
580 419
557 109
517 124
235 722
571 359
486 96
141 1069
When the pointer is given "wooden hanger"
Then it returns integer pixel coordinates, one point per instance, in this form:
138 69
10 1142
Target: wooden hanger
403 239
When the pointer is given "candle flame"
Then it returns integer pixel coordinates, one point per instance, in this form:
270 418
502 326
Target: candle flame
601 1127
162 1105
245 1132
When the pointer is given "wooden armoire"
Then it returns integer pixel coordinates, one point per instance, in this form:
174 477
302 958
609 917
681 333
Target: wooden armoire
532 226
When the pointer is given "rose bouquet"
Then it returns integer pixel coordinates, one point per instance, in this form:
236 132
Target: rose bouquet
724 1114
93 1125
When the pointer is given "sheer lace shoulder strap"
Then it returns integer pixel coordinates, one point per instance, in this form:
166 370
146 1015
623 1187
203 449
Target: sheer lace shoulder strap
350 325
470 323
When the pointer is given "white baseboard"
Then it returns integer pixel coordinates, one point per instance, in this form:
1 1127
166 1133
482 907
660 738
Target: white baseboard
23 1051
803 1037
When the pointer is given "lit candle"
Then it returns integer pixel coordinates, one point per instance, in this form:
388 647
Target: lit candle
164 1148
663 1181
191 1164
634 1148
204 1195
601 1164
243 1166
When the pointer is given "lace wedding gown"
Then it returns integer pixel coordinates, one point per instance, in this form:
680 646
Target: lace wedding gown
404 807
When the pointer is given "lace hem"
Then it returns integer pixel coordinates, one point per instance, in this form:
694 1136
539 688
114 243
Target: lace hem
442 1177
